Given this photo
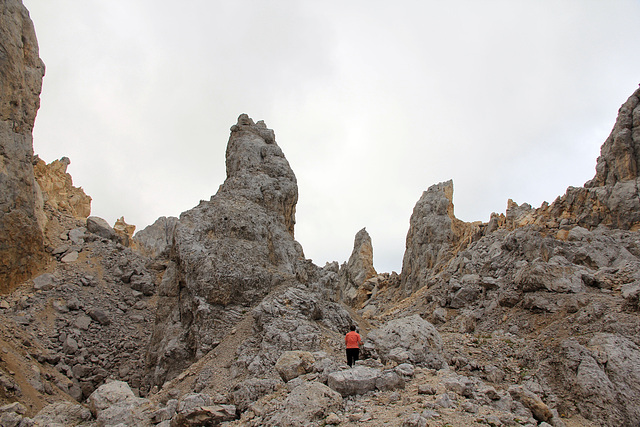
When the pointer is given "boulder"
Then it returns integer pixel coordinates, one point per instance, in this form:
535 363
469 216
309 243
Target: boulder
101 227
211 415
531 401
109 394
63 413
307 403
191 401
357 380
414 335
249 391
292 364
389 380
44 282
357 270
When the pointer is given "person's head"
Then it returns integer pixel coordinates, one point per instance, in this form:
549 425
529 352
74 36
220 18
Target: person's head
353 327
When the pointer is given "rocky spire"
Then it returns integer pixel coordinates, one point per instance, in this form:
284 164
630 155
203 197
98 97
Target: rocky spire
620 154
434 236
358 269
229 252
21 72
258 171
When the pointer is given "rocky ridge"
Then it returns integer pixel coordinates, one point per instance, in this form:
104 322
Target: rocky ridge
529 319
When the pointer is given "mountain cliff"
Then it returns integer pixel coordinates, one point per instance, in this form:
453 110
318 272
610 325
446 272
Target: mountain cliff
21 72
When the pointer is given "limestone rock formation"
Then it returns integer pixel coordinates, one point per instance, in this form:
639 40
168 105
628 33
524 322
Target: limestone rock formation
157 238
434 236
611 198
124 231
357 270
21 72
58 191
229 252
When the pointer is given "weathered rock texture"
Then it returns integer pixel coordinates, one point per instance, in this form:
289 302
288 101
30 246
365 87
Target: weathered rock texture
434 236
21 72
58 191
357 270
537 311
611 198
156 239
560 283
229 252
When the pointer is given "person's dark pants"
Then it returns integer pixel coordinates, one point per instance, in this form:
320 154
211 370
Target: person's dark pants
352 356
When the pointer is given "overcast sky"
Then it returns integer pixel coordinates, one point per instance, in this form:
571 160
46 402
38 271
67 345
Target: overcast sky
371 101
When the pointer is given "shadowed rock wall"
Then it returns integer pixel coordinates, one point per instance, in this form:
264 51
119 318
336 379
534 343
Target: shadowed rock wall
21 72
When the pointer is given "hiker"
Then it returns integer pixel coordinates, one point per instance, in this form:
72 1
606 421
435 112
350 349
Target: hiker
353 341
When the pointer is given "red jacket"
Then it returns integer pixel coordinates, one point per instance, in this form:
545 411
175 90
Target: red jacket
353 340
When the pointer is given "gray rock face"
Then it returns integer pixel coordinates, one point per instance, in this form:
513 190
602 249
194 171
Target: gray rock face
21 72
413 335
358 269
603 376
292 364
229 252
619 159
290 320
307 403
434 236
101 227
611 197
157 238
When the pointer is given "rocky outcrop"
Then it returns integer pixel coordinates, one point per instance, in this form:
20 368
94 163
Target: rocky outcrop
124 231
58 191
357 271
21 72
611 198
156 239
434 236
296 318
229 252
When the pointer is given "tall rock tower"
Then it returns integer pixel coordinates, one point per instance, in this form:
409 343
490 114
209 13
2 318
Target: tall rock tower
21 73
229 252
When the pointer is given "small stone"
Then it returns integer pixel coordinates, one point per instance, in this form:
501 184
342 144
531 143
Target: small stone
99 316
332 419
60 306
444 401
426 389
44 282
70 346
70 257
83 322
